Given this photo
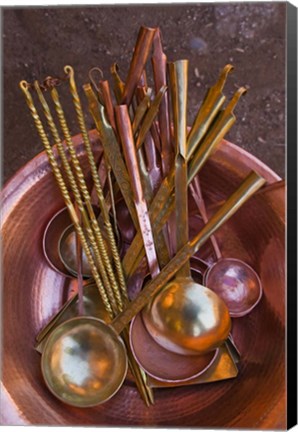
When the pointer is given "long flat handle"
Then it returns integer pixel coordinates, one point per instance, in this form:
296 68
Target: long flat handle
130 155
112 150
179 80
248 187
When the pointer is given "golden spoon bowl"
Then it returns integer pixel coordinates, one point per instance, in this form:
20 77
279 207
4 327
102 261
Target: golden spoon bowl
187 318
84 362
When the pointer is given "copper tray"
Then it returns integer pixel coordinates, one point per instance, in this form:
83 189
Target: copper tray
33 291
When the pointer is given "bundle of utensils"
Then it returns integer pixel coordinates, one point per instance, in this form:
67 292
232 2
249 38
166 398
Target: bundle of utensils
156 319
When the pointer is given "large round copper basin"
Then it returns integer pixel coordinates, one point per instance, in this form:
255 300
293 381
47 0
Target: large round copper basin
33 292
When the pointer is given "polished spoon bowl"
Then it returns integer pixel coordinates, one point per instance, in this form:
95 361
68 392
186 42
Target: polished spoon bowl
84 362
162 364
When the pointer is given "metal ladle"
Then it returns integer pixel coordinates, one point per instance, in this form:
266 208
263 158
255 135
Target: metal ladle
185 317
234 281
170 367
92 350
144 348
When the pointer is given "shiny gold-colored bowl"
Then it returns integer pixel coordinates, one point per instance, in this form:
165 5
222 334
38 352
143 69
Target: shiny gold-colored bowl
187 318
33 291
78 362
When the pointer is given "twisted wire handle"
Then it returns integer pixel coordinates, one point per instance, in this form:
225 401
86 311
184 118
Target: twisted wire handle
62 186
97 185
84 190
99 249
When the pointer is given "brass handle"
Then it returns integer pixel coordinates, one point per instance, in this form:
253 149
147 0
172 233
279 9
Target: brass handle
179 83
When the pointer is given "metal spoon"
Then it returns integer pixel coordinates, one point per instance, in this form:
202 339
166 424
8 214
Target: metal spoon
84 360
206 320
234 281
185 368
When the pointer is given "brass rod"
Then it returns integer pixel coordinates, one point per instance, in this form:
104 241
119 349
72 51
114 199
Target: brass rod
62 186
179 83
96 241
101 200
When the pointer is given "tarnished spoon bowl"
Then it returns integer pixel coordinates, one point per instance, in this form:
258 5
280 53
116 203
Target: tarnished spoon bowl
52 233
59 246
236 283
68 254
187 318
84 362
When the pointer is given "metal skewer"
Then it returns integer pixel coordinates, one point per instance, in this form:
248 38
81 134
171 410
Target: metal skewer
61 183
97 185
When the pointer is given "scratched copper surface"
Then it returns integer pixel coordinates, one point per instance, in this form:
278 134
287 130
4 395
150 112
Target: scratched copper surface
33 292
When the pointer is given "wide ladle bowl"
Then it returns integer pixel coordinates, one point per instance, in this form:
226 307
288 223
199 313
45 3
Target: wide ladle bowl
162 364
84 361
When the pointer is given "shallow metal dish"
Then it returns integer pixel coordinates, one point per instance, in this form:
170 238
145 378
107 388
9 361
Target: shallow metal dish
33 292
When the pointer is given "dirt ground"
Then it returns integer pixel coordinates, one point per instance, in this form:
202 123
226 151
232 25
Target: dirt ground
38 42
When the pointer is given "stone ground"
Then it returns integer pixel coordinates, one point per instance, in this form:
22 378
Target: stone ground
38 42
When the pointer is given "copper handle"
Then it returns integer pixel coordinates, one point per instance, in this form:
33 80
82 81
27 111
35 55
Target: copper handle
126 136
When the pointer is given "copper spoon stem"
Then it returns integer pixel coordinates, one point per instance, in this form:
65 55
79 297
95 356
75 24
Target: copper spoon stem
159 63
126 136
